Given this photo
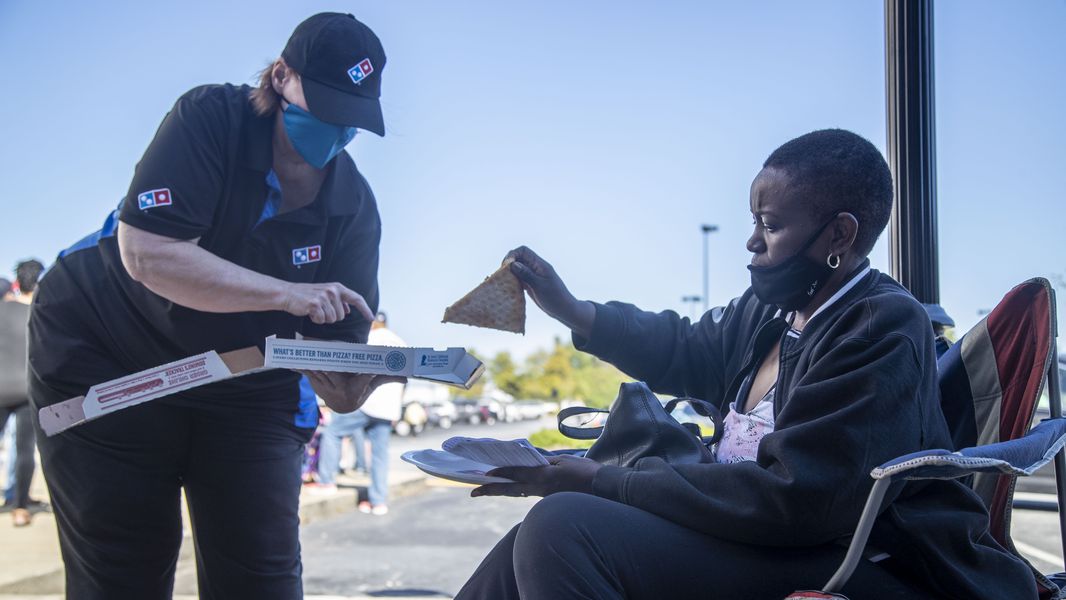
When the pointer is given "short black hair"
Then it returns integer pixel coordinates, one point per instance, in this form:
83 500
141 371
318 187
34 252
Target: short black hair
27 273
839 171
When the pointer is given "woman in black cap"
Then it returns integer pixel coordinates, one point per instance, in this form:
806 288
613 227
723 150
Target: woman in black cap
244 219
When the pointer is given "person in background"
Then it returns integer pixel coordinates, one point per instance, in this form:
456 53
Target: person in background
940 321
7 292
375 418
358 464
7 441
309 468
14 398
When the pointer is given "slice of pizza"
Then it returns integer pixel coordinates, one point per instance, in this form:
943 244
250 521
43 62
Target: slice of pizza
498 303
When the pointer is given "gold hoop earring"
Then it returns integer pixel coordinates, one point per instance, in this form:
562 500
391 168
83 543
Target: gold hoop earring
829 261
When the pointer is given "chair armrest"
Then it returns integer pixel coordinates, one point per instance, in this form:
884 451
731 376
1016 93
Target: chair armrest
1022 456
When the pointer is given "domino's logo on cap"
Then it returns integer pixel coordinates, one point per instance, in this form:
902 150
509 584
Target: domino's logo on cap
361 71
303 256
151 198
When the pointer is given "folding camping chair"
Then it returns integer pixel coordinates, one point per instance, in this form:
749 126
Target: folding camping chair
990 383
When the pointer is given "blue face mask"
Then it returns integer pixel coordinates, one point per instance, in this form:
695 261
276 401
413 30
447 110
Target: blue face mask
316 141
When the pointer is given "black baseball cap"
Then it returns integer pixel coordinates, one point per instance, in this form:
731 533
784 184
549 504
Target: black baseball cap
339 60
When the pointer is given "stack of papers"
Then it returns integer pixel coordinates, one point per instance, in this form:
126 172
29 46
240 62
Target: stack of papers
466 460
498 453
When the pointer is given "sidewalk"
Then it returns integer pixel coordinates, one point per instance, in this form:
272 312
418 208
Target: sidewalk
187 597
33 570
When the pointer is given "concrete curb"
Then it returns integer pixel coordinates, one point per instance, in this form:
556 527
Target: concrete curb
346 499
188 597
50 584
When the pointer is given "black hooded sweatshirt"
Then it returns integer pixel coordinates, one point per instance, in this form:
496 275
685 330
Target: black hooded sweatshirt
855 390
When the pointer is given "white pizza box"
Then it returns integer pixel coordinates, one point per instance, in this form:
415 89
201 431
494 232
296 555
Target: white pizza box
453 366
138 388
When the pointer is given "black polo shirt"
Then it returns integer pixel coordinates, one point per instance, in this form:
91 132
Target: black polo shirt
208 174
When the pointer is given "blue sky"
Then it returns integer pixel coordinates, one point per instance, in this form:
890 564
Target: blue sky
600 133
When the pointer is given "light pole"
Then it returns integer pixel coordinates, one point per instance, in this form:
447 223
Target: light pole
693 300
707 230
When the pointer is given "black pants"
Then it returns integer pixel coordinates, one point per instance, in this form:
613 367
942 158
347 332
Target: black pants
116 482
580 546
24 462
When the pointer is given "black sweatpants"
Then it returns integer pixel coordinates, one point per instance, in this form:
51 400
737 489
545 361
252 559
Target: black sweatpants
115 485
580 546
24 450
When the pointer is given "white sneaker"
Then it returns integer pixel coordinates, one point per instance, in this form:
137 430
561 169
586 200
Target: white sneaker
379 510
364 507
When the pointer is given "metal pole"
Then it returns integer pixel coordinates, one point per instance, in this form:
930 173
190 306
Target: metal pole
1055 400
910 107
691 300
707 230
861 535
705 260
1054 396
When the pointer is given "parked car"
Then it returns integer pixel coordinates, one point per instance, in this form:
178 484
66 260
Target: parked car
510 412
531 409
475 411
441 413
412 421
466 410
490 411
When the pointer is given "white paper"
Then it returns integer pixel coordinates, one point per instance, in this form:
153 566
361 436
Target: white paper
498 453
451 466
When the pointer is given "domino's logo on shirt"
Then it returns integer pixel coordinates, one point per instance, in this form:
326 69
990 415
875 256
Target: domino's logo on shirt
303 256
160 197
361 71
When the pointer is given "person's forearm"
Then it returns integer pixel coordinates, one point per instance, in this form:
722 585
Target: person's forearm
580 318
662 349
186 274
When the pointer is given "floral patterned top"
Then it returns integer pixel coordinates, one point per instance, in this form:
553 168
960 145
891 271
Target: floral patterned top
742 432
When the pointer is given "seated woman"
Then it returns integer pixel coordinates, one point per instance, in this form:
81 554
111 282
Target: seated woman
824 369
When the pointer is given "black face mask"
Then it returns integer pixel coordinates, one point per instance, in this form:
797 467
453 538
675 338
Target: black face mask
791 283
